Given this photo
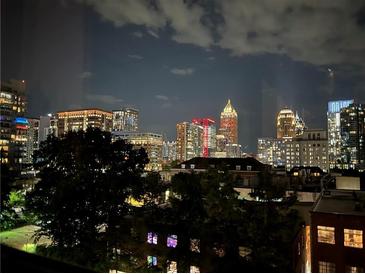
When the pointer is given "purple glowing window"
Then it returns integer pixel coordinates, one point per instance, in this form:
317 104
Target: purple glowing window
172 241
152 238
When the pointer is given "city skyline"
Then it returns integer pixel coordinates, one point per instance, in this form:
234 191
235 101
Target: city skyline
77 54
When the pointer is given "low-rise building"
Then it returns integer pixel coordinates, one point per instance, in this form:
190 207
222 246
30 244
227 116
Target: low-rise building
337 232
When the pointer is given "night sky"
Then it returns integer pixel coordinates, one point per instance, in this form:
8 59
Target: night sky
177 60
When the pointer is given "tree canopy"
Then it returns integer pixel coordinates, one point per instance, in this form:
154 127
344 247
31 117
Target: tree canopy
85 182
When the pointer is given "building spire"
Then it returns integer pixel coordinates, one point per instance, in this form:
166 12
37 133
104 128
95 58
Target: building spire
228 108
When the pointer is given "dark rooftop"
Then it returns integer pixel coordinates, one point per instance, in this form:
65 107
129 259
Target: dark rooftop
341 202
230 163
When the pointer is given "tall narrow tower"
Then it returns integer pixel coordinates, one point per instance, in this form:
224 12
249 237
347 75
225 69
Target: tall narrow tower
229 123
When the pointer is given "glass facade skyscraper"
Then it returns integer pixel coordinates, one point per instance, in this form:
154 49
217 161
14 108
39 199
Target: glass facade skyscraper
334 131
353 136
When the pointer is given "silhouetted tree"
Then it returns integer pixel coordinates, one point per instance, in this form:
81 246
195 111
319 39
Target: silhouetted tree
85 182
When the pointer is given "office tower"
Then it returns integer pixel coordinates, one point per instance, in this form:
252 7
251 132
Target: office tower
32 139
126 119
271 151
151 142
220 149
229 123
81 119
353 136
189 138
47 126
209 135
12 122
334 131
169 151
309 149
285 124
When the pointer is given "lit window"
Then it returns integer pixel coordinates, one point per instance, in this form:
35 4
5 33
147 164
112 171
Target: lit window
151 261
152 238
354 269
326 267
171 267
326 234
353 238
244 251
195 245
194 269
172 241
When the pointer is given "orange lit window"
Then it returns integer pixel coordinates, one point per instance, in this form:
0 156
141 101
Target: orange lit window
326 234
353 238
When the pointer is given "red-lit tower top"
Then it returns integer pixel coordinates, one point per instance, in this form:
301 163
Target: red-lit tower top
205 123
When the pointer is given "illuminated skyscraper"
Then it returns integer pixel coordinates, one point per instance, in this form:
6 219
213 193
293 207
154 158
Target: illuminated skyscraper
229 123
32 139
353 136
126 119
285 124
13 125
209 135
189 138
334 131
81 119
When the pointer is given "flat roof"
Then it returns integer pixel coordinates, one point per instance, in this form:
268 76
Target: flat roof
84 109
341 202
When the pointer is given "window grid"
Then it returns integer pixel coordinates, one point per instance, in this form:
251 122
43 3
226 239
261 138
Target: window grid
326 267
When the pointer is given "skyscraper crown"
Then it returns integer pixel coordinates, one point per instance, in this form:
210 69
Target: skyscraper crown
229 109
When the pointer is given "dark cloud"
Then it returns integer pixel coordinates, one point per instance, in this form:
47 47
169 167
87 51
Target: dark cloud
317 32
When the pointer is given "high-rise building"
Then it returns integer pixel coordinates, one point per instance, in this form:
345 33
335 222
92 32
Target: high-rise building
47 126
229 123
309 149
13 126
285 124
209 135
81 119
353 136
221 143
126 119
151 142
188 141
169 151
271 151
32 139
334 131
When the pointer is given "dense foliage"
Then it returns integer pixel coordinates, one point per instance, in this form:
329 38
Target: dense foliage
206 206
85 183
